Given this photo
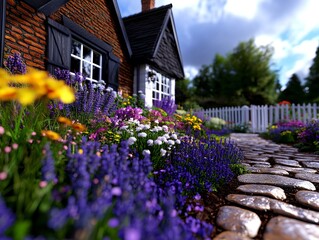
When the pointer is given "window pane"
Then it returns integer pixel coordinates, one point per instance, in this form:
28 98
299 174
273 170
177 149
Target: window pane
96 73
153 95
96 58
76 48
86 54
75 65
86 69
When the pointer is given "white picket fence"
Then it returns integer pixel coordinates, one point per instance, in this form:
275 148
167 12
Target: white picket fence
259 118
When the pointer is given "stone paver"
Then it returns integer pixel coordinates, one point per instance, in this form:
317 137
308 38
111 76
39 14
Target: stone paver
311 164
308 176
277 171
282 184
229 235
308 198
291 163
276 206
267 190
276 180
295 170
238 220
282 228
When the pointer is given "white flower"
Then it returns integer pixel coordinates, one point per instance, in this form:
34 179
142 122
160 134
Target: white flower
166 136
146 126
171 142
156 121
123 127
174 136
131 140
146 152
163 152
140 92
158 142
178 141
165 128
142 134
150 142
139 129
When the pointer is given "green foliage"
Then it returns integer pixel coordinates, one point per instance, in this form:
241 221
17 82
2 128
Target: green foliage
294 92
240 128
238 169
312 81
215 123
244 76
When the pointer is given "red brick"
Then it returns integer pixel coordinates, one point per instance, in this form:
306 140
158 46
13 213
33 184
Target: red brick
27 29
15 29
37 50
23 11
31 37
16 36
9 38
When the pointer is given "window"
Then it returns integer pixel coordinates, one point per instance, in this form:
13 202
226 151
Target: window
72 47
161 87
86 61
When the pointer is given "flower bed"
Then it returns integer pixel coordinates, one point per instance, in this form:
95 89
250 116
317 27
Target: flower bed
90 164
303 136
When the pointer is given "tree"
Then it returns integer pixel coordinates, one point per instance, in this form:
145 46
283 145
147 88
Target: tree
243 76
312 81
294 92
184 94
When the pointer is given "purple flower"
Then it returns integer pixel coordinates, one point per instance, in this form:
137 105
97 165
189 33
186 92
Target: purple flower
167 104
15 64
6 217
48 169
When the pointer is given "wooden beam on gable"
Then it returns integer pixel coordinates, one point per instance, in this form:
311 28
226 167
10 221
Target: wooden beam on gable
46 6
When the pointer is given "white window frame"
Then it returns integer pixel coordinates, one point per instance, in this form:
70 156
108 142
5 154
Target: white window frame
91 62
161 87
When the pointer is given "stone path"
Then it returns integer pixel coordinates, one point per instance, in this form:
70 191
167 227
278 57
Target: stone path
282 183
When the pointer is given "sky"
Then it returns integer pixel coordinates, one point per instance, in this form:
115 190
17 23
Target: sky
207 27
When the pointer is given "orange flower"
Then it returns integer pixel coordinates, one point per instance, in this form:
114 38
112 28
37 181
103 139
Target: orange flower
64 120
51 135
78 127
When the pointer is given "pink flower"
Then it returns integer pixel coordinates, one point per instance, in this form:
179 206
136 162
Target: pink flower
43 184
15 146
2 130
3 175
7 149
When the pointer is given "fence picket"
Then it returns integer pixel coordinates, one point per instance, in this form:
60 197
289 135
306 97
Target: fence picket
260 117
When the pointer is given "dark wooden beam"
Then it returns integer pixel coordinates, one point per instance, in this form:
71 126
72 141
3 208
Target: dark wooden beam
3 5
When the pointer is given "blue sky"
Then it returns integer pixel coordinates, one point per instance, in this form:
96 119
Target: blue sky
207 27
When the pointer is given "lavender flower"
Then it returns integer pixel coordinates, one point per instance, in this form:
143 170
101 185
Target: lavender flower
15 64
6 218
167 104
48 169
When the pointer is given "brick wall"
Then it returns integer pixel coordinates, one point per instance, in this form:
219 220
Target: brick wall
96 18
26 32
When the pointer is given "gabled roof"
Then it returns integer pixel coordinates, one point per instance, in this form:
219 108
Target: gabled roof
146 31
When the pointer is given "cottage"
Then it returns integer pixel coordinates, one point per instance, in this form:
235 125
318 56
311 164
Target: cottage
156 53
140 52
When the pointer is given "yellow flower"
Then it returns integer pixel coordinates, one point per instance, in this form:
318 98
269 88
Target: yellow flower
78 127
33 85
8 93
51 135
80 151
65 121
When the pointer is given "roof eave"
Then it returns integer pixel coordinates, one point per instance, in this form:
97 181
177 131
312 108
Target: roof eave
168 17
123 31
